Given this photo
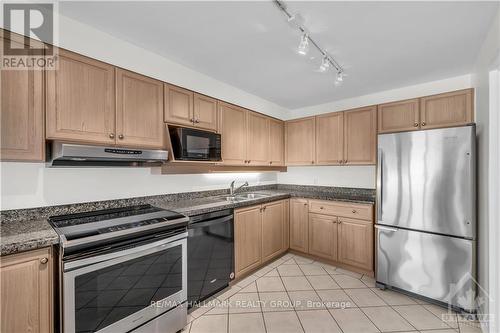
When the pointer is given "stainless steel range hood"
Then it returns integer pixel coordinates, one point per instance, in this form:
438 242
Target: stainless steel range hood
68 154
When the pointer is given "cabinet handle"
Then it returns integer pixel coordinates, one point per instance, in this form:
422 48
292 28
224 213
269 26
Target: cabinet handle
44 260
197 121
340 161
305 204
354 211
345 161
415 124
120 136
249 161
320 207
191 120
111 135
270 162
312 162
340 221
423 123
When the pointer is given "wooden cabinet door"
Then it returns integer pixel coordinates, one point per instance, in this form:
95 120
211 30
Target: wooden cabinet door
205 112
273 230
360 136
287 224
299 229
447 110
21 112
399 116
233 127
330 138
276 142
323 236
139 110
257 139
247 239
26 293
80 100
355 243
300 141
178 105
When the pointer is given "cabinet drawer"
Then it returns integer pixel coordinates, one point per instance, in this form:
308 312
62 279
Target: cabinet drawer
357 211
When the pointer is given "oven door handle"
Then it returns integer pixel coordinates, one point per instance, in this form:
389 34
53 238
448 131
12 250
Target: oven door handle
108 259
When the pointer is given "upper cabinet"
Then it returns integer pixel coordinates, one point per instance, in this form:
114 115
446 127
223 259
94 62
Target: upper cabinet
276 142
205 112
185 107
330 138
257 139
446 110
300 141
178 105
233 127
139 110
21 111
436 111
360 136
80 100
399 116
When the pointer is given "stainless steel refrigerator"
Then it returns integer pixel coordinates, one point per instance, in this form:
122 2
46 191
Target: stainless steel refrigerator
426 214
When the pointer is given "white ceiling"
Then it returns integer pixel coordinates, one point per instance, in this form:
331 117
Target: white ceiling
382 45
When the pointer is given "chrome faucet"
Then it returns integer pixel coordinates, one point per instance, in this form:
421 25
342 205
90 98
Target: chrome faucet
233 191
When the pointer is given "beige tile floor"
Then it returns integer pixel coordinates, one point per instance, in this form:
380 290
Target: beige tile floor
297 294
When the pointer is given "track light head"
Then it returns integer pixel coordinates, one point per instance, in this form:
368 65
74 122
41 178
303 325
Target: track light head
325 64
340 77
304 45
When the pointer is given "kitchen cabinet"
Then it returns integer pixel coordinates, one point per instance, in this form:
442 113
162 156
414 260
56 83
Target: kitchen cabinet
360 136
26 292
330 139
80 100
233 127
276 142
299 225
300 141
179 105
447 110
273 230
205 112
260 234
399 116
139 110
257 139
323 236
355 243
247 239
21 111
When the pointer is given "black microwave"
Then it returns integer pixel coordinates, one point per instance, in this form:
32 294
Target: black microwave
189 144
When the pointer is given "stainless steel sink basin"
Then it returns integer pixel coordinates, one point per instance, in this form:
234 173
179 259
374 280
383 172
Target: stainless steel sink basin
250 196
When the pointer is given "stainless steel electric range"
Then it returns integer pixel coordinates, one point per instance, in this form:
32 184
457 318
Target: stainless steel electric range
123 270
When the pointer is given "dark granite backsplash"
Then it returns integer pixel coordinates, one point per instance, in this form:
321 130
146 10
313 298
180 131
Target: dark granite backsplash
346 193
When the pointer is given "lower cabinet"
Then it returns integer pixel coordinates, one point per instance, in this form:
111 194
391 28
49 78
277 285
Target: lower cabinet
355 242
336 231
299 221
259 235
26 292
323 236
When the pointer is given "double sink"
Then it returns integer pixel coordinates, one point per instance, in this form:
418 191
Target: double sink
244 197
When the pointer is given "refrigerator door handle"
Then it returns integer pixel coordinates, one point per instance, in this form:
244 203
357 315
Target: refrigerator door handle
379 185
386 228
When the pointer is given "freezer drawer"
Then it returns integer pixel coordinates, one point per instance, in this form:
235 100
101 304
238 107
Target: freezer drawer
434 266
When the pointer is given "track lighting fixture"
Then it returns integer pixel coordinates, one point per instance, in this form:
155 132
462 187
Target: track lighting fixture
304 45
296 21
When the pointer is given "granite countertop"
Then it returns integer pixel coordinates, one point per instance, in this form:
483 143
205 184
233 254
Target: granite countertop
28 229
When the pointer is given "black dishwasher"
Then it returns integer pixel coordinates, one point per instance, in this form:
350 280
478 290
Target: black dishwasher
210 254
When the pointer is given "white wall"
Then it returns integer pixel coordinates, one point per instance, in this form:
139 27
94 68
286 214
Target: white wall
27 185
343 176
488 60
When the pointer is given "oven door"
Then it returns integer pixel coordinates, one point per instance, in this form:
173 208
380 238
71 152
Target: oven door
118 291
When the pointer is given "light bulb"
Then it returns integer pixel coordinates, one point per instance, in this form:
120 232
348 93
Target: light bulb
325 64
304 45
340 77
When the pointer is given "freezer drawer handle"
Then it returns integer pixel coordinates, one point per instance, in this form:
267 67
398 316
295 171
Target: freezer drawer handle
386 228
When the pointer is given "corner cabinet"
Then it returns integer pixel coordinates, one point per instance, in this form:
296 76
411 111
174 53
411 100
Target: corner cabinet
26 292
21 112
80 100
139 110
300 141
260 235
